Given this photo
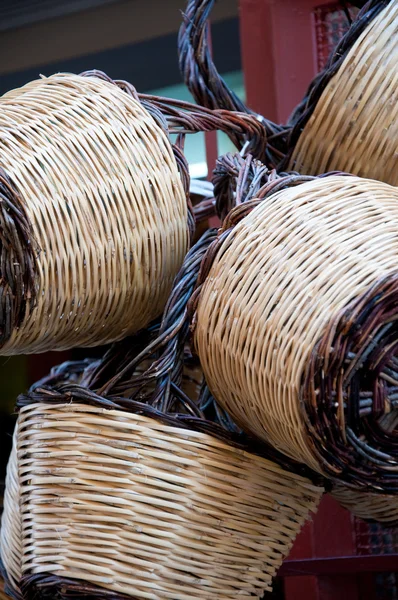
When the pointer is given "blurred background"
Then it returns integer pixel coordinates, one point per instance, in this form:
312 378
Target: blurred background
267 51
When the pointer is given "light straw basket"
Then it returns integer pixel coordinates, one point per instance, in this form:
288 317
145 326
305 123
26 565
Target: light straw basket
95 213
296 325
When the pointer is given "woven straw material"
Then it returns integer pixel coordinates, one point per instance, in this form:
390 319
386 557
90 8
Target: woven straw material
135 506
106 207
10 532
354 125
297 317
369 507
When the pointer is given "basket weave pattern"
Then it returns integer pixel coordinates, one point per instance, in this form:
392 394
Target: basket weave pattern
360 106
370 507
106 207
302 294
130 504
10 532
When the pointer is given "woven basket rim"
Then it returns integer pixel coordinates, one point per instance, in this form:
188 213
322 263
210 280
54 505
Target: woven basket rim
70 394
17 286
50 584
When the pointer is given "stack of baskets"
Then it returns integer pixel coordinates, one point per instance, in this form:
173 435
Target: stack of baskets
347 122
173 470
128 488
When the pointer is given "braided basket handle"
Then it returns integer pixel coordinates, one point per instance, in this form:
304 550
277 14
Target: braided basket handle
196 65
208 87
245 130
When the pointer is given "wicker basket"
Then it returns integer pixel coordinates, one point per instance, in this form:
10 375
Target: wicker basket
380 508
296 324
95 216
11 528
348 120
128 491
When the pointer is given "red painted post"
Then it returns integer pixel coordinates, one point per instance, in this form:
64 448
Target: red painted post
211 152
278 53
302 587
330 534
211 136
334 536
257 36
211 157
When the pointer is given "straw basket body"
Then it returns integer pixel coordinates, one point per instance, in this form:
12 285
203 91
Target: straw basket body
296 326
120 505
380 508
95 224
354 124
